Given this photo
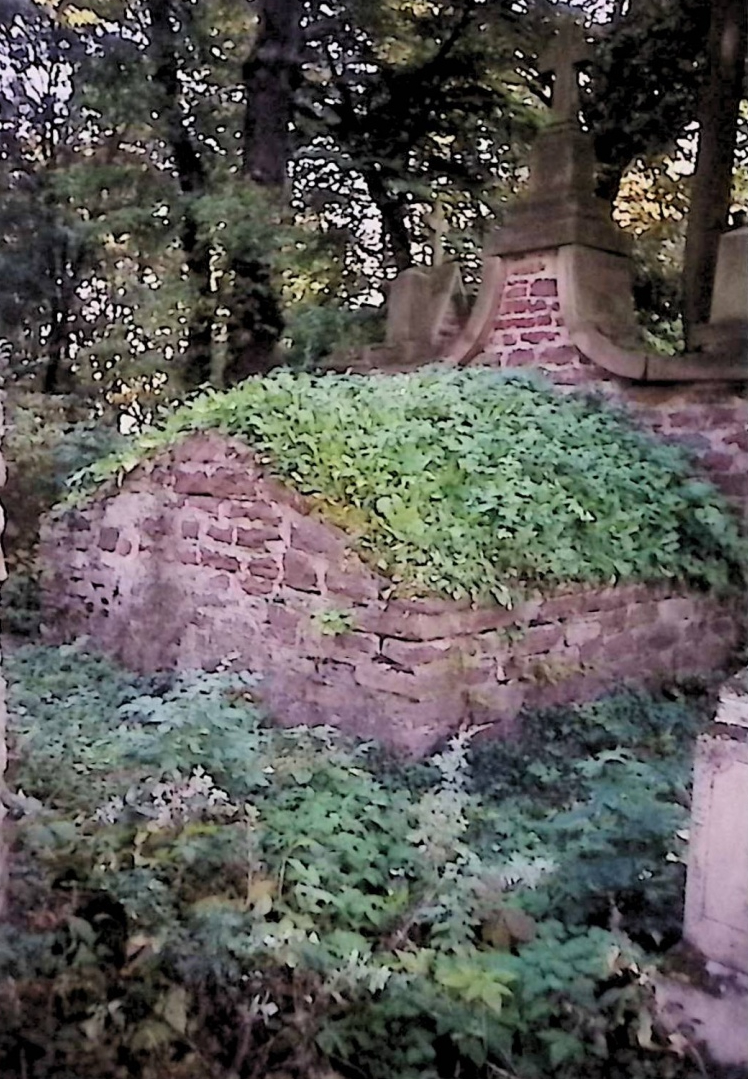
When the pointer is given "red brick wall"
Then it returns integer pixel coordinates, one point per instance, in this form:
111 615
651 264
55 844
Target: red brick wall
529 330
201 557
710 420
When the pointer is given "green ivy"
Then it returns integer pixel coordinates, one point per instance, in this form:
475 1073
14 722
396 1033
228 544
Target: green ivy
197 893
470 482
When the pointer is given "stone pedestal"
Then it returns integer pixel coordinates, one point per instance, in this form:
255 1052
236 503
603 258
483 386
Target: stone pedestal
716 916
560 206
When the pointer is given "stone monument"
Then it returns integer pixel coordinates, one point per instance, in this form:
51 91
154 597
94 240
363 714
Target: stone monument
727 329
426 306
716 917
714 1011
560 206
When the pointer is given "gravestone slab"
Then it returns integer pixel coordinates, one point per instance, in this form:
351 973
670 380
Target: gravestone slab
716 915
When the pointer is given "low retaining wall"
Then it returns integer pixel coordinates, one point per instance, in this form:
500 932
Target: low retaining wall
199 557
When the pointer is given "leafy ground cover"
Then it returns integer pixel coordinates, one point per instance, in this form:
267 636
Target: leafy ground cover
472 482
198 894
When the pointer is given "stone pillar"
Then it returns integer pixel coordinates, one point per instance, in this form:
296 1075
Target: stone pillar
716 915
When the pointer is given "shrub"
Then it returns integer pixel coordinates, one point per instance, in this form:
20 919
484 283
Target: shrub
199 894
472 483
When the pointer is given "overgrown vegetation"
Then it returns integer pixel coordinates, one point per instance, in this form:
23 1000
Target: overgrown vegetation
471 482
47 440
200 895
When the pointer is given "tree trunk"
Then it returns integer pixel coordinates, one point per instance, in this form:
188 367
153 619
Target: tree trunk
196 367
393 219
712 183
271 75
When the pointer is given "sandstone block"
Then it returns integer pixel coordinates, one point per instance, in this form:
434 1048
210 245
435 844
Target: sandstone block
544 286
108 539
359 585
256 537
300 571
216 560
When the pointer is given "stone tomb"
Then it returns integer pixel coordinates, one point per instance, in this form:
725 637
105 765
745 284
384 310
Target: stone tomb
200 556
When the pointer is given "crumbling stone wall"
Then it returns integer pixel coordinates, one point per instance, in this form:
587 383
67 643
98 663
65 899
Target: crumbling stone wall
200 556
710 419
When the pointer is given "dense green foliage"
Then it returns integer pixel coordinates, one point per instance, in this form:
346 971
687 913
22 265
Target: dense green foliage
199 895
469 482
47 440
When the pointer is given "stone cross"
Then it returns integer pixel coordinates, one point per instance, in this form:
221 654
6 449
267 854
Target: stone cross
566 54
438 226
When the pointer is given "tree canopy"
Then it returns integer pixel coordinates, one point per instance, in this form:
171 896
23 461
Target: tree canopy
189 187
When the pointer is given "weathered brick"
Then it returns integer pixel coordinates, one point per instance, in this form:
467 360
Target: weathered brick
315 537
256 586
422 684
412 654
538 639
201 503
676 610
347 648
190 529
579 632
538 337
188 556
221 535
217 560
516 291
268 568
254 511
154 526
545 286
718 462
194 483
525 322
522 307
77 521
300 571
230 483
285 623
559 354
519 356
124 547
257 536
354 584
108 539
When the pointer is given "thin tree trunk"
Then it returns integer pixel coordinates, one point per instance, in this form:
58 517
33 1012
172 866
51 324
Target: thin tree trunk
712 184
393 219
192 182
